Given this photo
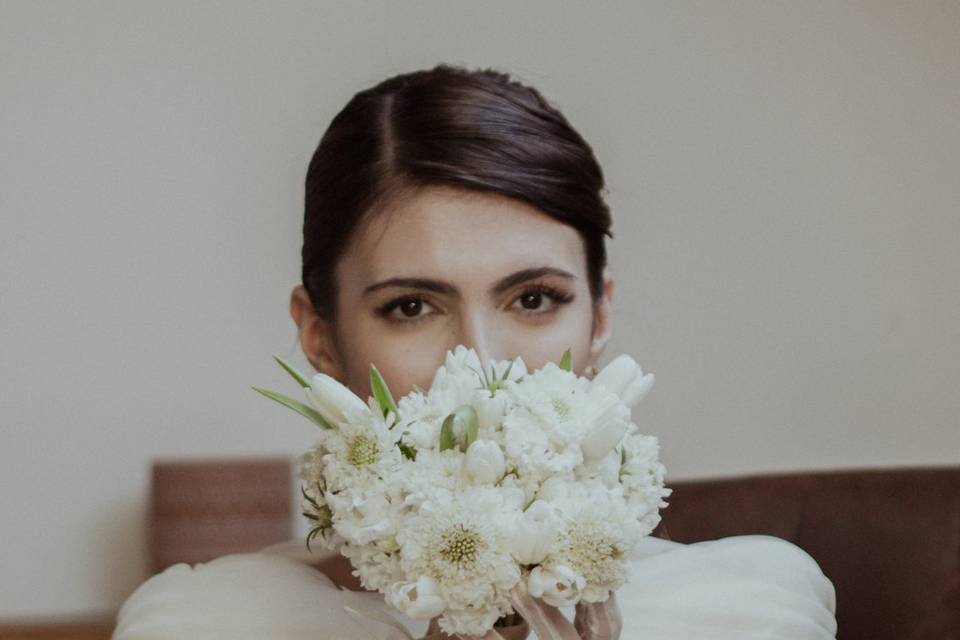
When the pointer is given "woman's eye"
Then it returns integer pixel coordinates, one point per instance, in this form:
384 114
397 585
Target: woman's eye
542 299
407 309
534 301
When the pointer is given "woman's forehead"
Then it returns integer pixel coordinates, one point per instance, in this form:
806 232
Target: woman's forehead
455 232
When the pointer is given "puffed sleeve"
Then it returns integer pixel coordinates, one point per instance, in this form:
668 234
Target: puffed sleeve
251 596
741 587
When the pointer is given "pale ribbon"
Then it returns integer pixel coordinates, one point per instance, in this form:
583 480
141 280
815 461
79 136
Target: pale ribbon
593 621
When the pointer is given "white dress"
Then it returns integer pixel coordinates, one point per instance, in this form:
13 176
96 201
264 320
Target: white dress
736 588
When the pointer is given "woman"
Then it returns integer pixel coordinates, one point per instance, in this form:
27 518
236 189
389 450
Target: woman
448 207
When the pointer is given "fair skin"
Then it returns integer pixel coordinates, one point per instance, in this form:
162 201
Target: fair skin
463 247
442 266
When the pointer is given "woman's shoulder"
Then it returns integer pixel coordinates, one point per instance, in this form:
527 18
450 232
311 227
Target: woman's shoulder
266 594
752 584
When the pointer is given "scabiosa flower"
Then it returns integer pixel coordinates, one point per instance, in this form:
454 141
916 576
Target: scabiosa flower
313 499
457 541
598 535
360 451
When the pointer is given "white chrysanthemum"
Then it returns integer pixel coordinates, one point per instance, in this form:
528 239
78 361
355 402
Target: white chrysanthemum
365 516
552 411
460 380
377 565
458 540
598 535
313 503
433 472
642 477
422 414
361 450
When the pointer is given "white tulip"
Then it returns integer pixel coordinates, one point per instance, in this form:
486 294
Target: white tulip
557 584
484 462
625 378
534 535
333 400
490 411
610 428
421 600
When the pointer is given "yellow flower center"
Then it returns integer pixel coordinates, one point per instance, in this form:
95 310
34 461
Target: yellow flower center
460 546
561 407
362 450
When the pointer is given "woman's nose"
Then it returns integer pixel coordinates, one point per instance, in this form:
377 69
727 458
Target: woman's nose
478 333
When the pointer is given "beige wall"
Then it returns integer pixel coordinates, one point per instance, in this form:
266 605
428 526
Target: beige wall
784 183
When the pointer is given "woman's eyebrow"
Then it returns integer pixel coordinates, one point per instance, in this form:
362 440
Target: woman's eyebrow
445 288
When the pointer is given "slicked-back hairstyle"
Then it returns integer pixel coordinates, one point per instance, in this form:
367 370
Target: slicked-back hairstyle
447 126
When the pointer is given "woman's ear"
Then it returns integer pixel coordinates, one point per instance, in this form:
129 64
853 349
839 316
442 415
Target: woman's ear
601 319
316 334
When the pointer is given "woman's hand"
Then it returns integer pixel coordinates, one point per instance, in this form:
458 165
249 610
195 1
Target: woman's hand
593 621
599 620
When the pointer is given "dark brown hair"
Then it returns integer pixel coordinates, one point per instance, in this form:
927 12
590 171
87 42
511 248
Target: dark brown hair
479 130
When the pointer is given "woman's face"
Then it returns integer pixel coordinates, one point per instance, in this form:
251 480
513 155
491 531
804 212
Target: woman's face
445 266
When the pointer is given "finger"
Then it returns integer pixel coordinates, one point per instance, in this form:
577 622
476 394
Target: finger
435 633
547 622
440 635
599 620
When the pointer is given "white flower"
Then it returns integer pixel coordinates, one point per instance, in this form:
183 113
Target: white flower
535 534
605 470
556 487
360 451
557 584
433 472
420 600
608 430
334 401
624 377
552 412
458 539
642 477
490 412
460 373
377 564
598 536
484 462
364 518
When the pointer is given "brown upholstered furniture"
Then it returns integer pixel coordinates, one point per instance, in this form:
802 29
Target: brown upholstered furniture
888 539
201 509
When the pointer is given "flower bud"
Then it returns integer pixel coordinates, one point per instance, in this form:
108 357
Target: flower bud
421 600
609 429
333 400
534 535
624 377
557 584
484 462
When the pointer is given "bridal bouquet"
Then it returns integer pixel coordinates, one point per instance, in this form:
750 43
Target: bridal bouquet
494 478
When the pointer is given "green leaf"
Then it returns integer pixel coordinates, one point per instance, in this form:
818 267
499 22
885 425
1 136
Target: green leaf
446 433
299 407
313 533
409 452
381 392
566 361
473 425
466 416
309 499
299 377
